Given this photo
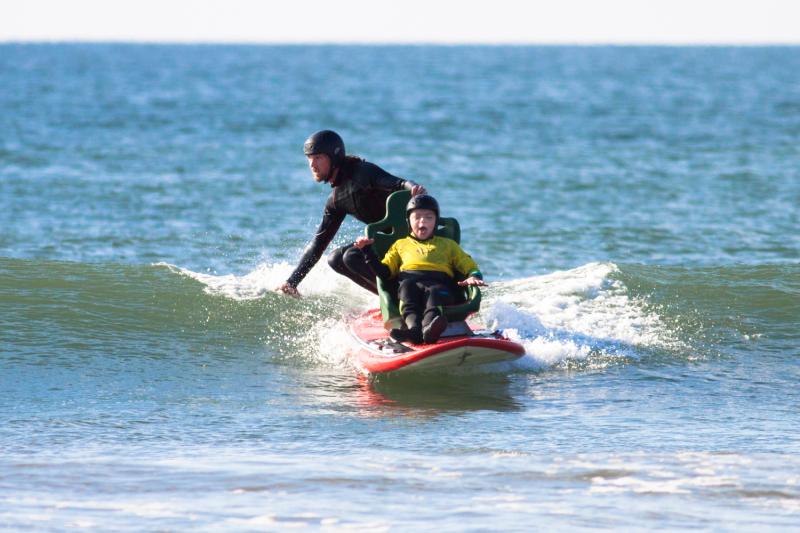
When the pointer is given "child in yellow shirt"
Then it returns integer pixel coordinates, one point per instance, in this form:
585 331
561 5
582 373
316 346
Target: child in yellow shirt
425 265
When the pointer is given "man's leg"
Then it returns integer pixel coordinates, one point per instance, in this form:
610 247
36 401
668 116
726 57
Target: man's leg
359 271
349 262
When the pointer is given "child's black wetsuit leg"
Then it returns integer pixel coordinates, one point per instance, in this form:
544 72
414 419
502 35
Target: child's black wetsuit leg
411 295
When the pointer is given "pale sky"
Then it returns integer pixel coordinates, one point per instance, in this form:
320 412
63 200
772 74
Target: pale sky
406 21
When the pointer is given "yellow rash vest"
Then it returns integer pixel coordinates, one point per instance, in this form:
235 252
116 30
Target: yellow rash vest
438 254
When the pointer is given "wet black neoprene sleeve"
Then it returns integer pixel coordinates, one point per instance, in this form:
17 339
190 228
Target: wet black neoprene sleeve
374 264
331 221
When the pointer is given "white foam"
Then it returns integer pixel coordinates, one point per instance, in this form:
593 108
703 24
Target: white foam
265 278
569 315
327 339
563 316
249 286
332 341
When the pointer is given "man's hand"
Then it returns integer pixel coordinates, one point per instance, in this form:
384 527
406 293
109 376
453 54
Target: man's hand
288 289
472 280
363 242
418 189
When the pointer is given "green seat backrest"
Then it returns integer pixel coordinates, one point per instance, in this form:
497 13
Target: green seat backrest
394 226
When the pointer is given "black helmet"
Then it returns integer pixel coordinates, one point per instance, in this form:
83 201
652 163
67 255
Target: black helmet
422 201
326 142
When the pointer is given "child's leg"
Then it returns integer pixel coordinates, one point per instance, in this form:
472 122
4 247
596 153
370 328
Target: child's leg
410 295
433 323
436 295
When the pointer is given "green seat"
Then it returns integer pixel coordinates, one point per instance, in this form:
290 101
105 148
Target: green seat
393 227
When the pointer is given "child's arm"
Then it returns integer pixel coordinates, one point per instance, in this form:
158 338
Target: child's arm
465 264
374 264
473 280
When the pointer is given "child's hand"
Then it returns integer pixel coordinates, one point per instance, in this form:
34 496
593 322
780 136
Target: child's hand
362 241
472 280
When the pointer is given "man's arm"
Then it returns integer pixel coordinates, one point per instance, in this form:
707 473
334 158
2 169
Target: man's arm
331 221
380 179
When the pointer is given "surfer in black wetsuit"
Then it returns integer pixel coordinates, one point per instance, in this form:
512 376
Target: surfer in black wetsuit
360 189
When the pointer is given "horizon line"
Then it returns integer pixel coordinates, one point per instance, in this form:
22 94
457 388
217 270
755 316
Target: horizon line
212 42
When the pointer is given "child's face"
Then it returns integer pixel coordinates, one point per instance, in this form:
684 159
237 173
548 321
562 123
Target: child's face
423 223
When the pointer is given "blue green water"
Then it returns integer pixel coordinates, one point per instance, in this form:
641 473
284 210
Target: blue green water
634 210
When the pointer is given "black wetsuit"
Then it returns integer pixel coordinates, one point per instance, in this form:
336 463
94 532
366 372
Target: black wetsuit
360 190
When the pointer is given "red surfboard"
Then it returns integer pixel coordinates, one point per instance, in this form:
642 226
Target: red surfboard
459 346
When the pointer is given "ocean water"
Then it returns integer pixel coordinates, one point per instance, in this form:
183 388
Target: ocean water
635 211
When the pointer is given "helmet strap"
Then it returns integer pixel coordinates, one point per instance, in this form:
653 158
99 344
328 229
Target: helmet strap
332 175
